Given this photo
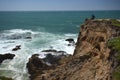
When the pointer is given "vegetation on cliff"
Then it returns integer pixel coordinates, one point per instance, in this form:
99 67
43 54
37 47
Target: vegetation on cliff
5 78
115 44
115 22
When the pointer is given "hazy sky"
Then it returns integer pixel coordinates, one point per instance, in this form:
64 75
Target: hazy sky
29 5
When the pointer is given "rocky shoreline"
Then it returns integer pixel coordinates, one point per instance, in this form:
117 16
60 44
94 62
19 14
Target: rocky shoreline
95 57
92 59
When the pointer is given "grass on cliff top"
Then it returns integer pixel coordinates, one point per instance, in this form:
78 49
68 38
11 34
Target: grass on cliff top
4 78
115 43
115 22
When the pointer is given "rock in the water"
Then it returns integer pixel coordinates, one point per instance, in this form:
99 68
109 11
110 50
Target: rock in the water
16 48
71 41
50 50
28 37
6 56
63 52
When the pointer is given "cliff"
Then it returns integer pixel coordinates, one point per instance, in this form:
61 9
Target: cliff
93 59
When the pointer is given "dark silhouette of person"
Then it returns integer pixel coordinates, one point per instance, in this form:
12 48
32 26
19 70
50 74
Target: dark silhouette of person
92 16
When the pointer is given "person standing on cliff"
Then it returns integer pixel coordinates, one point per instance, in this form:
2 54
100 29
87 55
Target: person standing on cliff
92 16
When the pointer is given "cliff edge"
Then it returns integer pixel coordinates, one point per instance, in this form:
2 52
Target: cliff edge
93 59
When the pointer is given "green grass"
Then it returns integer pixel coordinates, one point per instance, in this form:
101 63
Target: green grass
116 74
115 43
4 78
115 22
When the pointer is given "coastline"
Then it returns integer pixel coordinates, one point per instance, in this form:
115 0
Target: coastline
35 33
91 56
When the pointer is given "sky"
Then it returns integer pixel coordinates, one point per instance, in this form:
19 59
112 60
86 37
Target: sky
58 5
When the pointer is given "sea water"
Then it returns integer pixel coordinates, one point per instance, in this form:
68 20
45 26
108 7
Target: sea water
47 29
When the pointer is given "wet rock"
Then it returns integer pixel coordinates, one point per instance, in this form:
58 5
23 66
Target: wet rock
71 41
53 59
16 48
36 65
6 56
28 37
55 52
63 52
50 50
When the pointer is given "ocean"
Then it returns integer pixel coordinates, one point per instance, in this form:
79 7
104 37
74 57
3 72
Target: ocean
45 28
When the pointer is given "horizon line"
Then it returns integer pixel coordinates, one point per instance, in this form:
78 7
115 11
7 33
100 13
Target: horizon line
53 10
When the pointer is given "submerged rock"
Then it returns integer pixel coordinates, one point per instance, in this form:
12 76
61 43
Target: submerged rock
6 56
16 48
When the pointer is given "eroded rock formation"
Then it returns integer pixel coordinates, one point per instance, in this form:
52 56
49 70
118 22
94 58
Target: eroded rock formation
91 59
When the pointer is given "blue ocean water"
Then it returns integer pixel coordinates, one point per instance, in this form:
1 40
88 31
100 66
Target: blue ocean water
46 28
54 21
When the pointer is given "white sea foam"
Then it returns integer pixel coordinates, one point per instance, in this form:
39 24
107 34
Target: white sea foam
40 41
20 31
17 34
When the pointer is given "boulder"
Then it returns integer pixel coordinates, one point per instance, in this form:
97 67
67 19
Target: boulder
16 48
6 56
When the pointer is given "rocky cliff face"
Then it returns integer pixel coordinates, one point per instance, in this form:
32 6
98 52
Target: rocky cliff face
92 57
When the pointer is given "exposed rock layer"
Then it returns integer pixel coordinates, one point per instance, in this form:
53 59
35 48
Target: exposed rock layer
91 59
